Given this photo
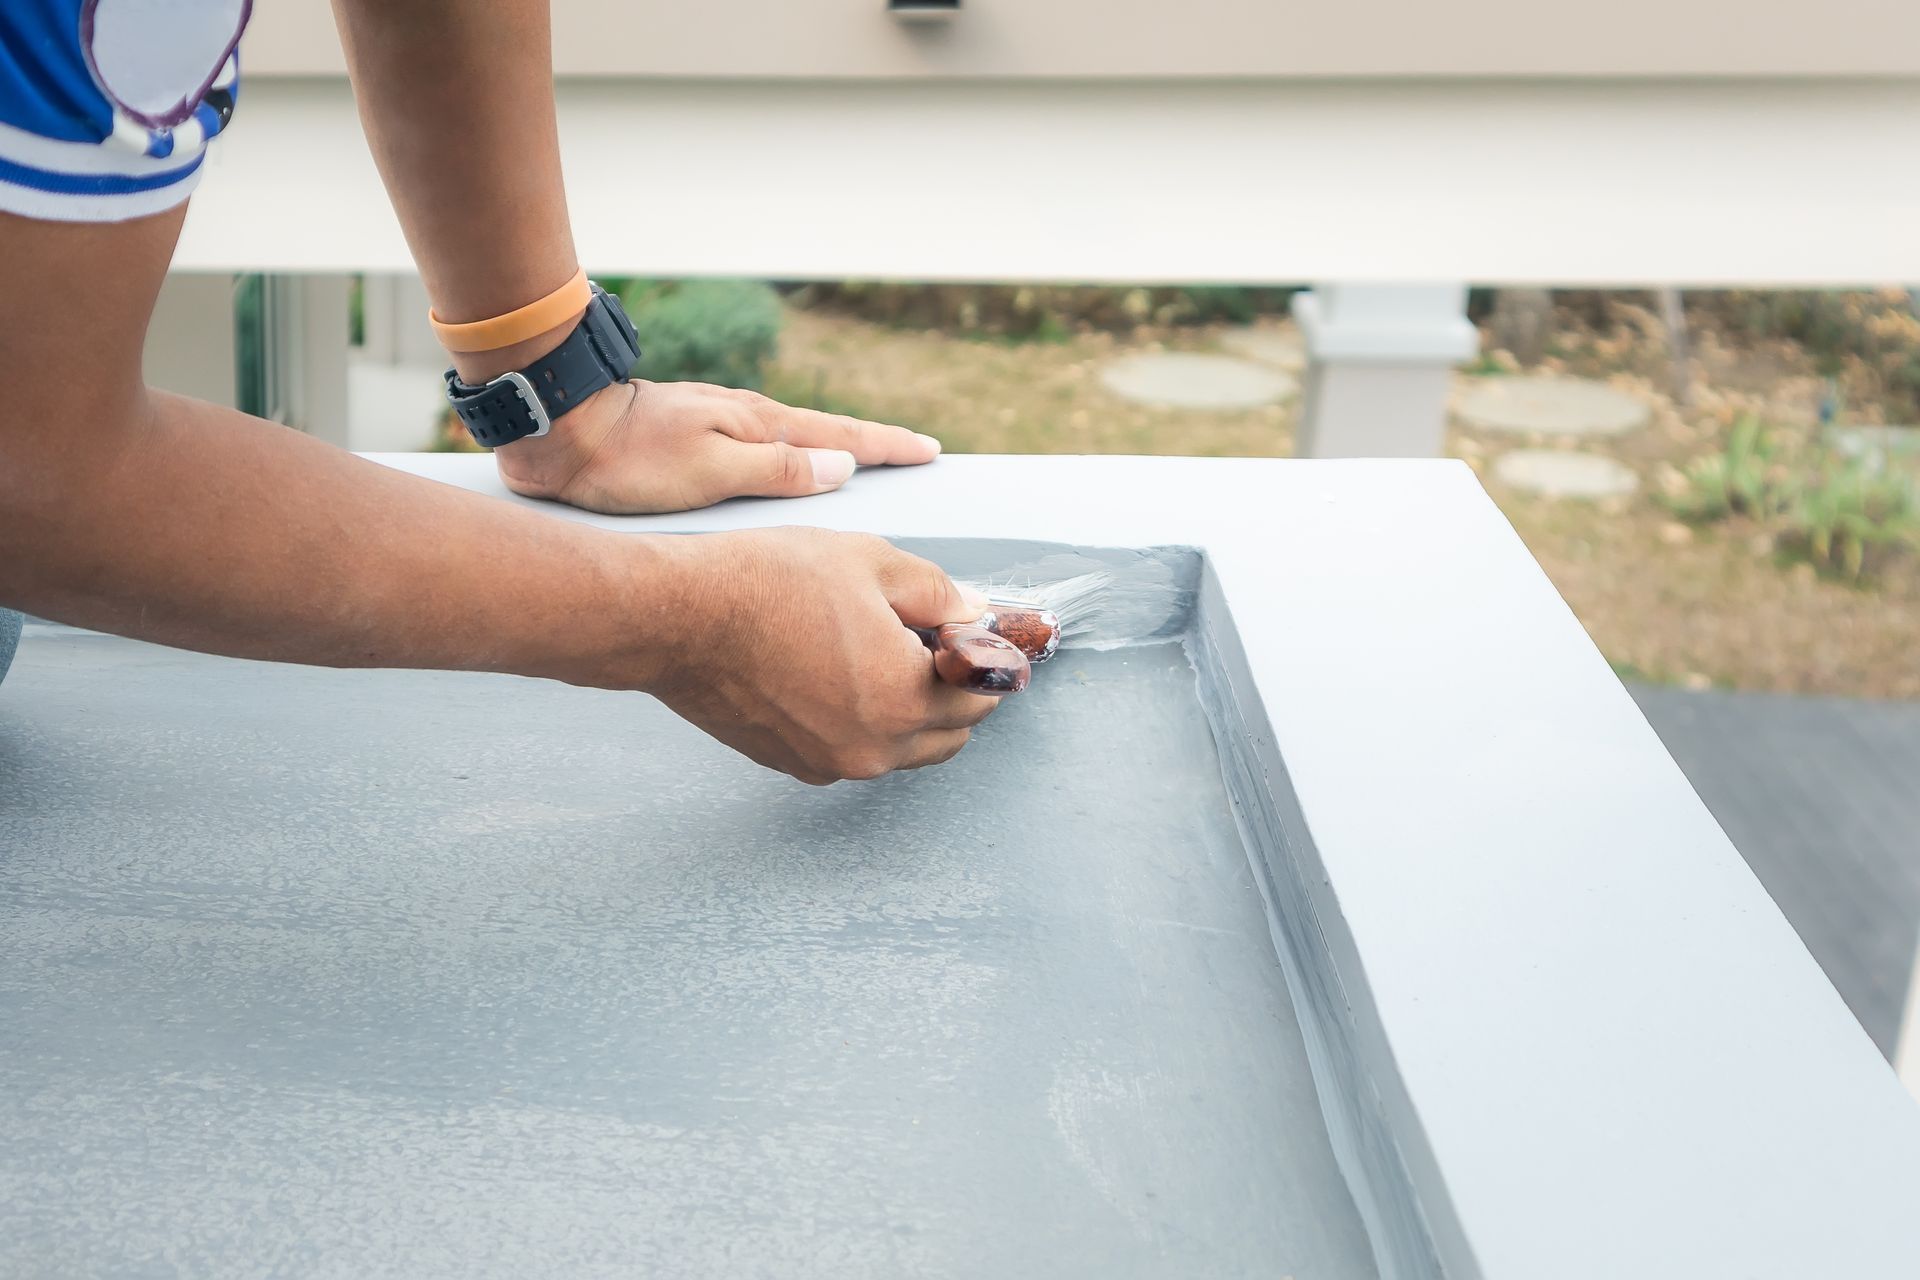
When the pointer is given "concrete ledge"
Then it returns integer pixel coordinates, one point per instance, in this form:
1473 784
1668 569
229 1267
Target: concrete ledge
1247 182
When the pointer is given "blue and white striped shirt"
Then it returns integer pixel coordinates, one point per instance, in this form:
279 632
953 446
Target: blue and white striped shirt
107 106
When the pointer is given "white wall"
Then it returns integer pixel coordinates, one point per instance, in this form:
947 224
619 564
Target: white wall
1054 38
190 338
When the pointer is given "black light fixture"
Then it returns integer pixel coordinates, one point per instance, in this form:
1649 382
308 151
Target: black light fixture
922 10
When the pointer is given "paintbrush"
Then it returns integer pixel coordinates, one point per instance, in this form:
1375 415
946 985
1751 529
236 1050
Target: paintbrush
1022 626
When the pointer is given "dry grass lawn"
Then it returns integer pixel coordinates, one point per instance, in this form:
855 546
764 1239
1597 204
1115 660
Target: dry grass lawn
1712 605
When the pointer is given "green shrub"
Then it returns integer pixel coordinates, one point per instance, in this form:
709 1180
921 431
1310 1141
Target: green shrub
1041 312
720 331
1747 478
1843 515
1854 514
1235 304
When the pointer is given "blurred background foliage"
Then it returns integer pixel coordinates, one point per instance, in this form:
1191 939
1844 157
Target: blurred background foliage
719 331
1046 313
1773 541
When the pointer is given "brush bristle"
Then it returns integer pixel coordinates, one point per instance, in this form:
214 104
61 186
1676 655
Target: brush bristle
1076 601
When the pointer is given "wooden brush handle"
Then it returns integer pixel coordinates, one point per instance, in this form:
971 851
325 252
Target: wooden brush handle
975 659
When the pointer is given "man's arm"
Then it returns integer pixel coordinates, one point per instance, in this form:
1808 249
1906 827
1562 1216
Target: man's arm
168 519
457 100
196 526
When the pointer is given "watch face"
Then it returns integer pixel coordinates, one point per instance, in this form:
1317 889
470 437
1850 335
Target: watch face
613 333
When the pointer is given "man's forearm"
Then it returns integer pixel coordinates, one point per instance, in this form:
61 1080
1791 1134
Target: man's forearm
457 100
199 527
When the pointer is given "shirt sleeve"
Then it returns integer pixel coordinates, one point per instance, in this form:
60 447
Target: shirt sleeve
107 106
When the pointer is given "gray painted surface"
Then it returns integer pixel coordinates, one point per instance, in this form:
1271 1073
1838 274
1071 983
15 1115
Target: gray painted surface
1599 1048
9 637
1822 798
396 973
1400 1214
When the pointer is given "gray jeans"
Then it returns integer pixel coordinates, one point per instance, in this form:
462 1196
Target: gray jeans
9 637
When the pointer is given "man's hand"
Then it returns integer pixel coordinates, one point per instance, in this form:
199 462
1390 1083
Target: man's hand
792 647
641 447
458 105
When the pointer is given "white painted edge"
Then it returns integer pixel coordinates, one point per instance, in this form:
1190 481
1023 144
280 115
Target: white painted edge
1231 182
1906 1058
1596 1047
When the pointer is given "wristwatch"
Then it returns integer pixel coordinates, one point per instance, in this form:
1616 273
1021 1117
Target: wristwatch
601 350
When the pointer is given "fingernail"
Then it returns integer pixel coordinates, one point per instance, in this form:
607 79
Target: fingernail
973 598
831 467
935 444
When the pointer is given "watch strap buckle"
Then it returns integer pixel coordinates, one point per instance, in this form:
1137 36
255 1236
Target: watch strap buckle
482 408
522 404
536 407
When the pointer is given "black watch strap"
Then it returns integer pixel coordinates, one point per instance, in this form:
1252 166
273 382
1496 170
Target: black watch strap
601 350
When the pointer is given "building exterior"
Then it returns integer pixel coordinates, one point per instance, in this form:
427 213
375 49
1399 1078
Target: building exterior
1370 148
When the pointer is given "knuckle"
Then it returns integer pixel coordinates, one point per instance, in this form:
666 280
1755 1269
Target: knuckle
789 469
928 579
742 425
751 406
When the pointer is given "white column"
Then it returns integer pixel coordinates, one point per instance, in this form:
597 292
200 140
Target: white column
311 340
190 338
1379 365
394 391
394 310
389 403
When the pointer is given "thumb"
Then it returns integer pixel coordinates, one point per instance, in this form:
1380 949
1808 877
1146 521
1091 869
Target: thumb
781 470
922 594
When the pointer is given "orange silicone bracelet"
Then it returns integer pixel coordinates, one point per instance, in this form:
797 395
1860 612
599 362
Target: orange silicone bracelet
529 321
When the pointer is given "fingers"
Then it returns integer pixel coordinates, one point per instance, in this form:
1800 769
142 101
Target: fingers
920 591
782 470
937 705
936 746
957 709
873 444
774 451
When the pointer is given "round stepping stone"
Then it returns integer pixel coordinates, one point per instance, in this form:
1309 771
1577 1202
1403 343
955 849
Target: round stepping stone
1550 407
1189 380
1562 473
1280 348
